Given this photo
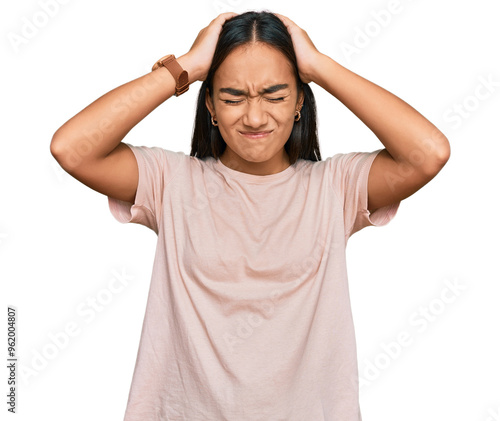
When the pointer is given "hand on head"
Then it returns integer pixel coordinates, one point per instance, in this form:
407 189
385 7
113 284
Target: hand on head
305 50
203 48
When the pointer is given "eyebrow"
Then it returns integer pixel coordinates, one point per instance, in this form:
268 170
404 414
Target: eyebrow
269 90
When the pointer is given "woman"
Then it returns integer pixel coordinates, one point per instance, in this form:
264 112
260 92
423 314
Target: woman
248 314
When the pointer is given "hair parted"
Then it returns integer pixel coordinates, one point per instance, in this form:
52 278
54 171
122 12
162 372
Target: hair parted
250 27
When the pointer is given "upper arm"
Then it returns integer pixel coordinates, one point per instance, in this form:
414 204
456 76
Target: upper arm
390 181
116 175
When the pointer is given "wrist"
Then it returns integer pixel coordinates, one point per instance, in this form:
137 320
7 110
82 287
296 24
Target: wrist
188 64
317 64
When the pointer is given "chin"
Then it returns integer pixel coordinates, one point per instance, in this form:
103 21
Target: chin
257 157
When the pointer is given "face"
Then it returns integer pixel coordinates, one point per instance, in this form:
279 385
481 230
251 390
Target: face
254 103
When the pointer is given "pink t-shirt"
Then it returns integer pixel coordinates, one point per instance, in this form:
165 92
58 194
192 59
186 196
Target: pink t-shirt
248 316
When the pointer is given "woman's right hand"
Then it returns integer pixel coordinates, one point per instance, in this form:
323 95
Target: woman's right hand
198 59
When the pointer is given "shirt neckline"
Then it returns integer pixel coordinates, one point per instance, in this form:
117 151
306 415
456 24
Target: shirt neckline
254 178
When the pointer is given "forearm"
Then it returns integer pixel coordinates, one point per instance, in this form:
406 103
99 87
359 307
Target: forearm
96 130
403 131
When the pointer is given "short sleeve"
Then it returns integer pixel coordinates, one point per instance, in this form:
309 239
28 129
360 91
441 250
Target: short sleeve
157 166
350 182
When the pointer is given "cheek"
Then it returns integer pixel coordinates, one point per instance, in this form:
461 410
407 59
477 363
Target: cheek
284 112
231 116
285 117
289 115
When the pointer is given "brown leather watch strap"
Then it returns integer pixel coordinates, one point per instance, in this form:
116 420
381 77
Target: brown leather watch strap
180 75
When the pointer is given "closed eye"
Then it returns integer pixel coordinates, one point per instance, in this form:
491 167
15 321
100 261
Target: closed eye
229 101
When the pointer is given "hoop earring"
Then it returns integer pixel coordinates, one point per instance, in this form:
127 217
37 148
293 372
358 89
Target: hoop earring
214 122
297 115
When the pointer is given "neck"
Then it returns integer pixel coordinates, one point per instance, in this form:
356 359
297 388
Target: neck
276 164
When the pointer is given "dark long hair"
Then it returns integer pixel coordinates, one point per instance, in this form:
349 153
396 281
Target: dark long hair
242 29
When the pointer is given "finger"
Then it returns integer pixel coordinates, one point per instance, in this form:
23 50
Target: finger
286 21
282 18
225 16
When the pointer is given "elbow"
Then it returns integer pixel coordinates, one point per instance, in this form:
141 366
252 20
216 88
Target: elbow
444 152
56 148
59 150
65 151
440 156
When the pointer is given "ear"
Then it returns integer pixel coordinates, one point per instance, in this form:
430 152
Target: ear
209 103
300 99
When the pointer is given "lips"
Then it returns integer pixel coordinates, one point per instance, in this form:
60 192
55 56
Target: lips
256 135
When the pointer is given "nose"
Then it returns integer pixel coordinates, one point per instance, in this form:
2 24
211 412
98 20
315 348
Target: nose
255 115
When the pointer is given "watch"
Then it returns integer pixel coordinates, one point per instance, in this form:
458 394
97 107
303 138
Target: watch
180 75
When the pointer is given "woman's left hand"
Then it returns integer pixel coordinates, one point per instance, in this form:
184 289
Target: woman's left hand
305 50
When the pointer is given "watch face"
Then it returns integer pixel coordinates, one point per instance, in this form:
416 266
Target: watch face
167 59
160 61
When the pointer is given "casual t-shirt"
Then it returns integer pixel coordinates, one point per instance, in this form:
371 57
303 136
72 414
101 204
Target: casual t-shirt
248 316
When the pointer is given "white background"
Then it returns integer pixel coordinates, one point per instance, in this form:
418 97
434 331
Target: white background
60 246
